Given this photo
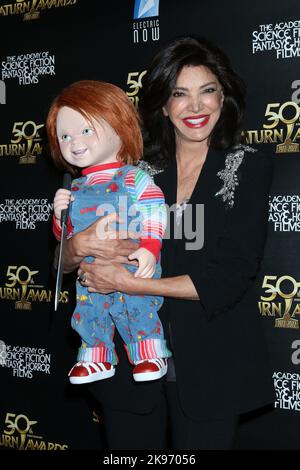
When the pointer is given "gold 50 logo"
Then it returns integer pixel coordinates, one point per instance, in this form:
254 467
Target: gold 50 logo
277 115
134 80
21 288
25 142
282 300
31 9
18 434
18 424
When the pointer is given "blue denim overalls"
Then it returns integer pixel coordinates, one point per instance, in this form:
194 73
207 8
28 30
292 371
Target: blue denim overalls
97 315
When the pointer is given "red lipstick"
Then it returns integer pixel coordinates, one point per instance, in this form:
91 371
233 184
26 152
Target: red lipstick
196 122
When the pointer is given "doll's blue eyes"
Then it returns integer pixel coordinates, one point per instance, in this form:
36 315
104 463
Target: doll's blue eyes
87 132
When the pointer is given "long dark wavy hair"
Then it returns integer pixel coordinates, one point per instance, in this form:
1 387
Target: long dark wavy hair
159 82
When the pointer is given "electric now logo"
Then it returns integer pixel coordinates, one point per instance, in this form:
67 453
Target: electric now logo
145 8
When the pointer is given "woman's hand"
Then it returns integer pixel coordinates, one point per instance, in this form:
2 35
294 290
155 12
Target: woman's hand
107 279
104 279
102 242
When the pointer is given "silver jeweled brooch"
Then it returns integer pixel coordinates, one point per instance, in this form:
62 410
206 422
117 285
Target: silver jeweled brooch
229 174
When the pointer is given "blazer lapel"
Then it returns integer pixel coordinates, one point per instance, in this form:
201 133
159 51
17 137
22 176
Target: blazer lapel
204 192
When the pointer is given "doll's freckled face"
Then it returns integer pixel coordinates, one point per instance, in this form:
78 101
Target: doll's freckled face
83 144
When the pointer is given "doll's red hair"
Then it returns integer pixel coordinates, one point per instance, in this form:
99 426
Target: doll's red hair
97 100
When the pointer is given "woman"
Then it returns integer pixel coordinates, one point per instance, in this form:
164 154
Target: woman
192 105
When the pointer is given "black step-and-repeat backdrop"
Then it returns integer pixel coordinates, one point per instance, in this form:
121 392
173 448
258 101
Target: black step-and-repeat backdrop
47 44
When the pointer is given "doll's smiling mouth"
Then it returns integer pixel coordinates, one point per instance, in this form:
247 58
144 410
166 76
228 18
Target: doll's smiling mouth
79 152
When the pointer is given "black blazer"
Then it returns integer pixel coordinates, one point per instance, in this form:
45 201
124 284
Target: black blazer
218 343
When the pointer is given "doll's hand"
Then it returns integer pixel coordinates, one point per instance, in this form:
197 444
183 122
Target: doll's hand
146 260
62 200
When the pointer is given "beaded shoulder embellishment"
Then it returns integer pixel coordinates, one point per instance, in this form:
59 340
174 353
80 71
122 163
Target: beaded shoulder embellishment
229 174
142 165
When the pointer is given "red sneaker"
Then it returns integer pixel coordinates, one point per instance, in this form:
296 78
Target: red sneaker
87 372
150 369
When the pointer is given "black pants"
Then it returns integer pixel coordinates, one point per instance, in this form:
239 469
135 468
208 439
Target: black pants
167 427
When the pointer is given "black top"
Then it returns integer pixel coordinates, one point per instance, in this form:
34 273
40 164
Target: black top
218 343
